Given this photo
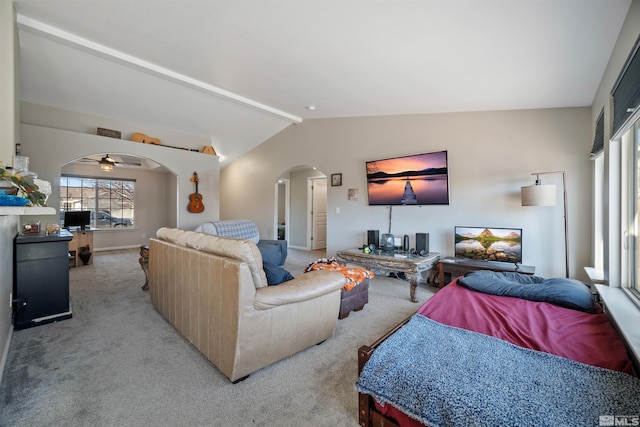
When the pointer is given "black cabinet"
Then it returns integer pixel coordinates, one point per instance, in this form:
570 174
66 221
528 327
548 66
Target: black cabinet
41 279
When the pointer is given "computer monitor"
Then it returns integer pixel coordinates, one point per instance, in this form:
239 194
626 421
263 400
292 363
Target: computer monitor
80 219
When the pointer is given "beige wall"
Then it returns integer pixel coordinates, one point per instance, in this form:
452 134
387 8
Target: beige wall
53 137
74 121
491 155
8 82
8 134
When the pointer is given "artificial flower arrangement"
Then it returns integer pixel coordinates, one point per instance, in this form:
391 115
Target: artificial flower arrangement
27 188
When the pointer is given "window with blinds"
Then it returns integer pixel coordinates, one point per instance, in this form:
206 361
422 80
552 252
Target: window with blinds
626 90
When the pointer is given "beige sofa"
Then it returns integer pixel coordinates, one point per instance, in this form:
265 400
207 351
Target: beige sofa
214 291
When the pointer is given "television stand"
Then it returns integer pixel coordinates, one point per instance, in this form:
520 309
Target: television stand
449 268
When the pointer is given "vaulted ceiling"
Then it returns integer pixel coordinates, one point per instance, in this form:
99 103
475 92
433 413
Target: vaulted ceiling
237 72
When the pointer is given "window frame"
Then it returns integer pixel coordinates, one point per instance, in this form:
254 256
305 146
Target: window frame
98 206
624 181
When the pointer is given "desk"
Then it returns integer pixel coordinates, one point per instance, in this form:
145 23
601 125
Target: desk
459 266
80 239
413 266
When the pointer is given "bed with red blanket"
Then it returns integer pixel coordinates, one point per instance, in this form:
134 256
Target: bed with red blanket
540 329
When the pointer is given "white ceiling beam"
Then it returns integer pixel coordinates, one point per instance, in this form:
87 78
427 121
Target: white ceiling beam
52 33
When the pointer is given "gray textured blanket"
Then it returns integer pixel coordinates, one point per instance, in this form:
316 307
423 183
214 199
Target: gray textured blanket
446 376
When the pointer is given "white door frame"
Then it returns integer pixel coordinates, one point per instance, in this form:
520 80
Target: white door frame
310 207
287 208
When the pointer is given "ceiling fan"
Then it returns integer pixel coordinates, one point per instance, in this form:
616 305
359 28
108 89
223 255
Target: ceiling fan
107 162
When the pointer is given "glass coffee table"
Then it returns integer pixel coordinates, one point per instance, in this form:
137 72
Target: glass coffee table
413 266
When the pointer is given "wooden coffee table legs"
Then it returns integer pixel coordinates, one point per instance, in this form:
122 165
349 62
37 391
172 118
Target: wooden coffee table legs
144 264
414 279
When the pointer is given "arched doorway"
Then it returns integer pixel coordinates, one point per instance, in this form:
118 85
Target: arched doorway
149 206
294 200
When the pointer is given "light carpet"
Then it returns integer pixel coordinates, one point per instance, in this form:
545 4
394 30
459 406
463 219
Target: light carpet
117 362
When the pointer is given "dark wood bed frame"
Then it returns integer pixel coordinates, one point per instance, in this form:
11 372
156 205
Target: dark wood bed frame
368 415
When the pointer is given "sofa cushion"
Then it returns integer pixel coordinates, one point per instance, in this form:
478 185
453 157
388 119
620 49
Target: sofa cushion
275 274
304 287
169 234
178 236
193 238
185 236
240 249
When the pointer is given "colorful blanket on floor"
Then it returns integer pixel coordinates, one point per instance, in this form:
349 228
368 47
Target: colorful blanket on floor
353 275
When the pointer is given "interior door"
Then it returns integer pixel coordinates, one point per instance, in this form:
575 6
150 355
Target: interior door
319 213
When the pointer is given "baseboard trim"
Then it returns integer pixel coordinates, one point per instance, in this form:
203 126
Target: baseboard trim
5 352
116 248
302 248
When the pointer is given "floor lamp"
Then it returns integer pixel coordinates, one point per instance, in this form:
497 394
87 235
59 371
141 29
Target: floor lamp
545 195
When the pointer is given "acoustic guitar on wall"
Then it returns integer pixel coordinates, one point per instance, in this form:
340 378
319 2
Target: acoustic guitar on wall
141 137
195 203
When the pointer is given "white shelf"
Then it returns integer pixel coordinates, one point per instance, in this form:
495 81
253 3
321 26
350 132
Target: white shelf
27 210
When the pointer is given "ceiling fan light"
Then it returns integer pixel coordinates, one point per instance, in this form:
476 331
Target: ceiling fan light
106 166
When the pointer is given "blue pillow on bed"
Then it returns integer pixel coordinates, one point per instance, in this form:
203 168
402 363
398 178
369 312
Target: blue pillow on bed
275 274
568 293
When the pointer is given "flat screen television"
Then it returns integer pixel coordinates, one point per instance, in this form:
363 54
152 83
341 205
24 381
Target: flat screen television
420 179
74 219
489 244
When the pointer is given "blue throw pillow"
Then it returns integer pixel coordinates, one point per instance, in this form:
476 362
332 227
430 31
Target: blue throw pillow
568 293
270 254
275 274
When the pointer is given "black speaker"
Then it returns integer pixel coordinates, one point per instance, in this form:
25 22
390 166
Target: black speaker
405 243
373 238
422 243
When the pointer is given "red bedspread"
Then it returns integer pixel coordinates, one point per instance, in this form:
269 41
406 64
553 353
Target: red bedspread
587 338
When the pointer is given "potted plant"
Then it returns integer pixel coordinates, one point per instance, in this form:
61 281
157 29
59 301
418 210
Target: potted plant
25 185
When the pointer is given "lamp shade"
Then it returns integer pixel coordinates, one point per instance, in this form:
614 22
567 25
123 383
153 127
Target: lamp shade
539 195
